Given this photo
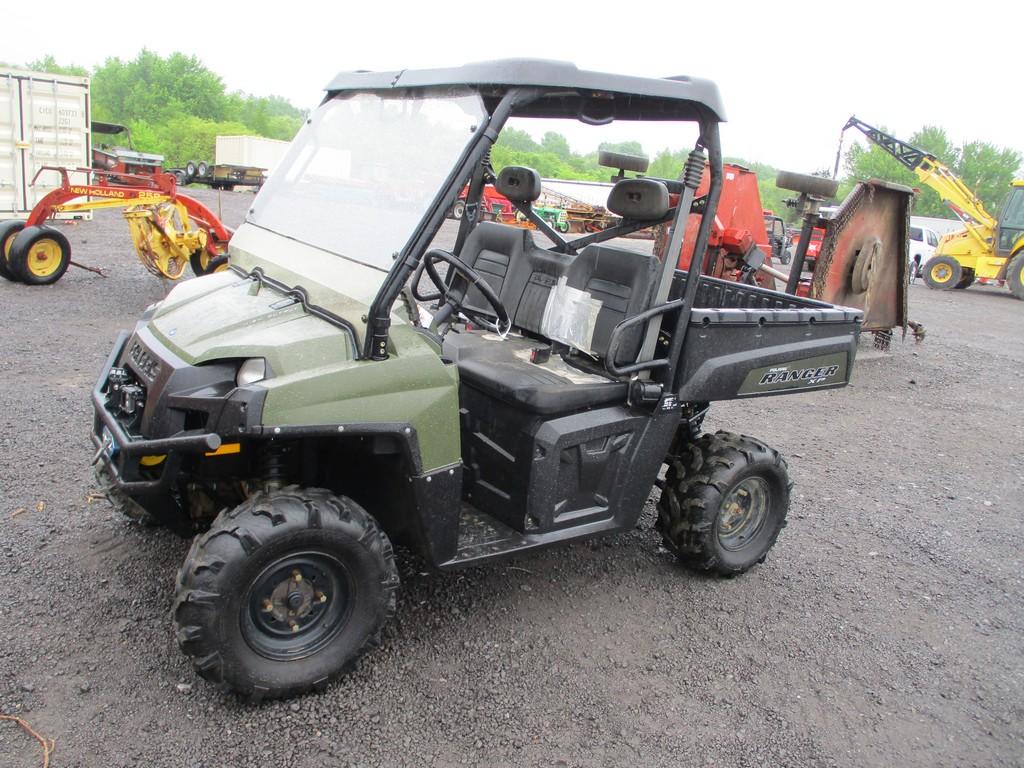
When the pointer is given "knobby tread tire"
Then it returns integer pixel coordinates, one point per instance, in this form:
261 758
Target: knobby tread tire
700 476
219 567
1015 275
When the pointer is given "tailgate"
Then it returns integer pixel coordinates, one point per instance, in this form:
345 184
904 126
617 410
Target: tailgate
764 343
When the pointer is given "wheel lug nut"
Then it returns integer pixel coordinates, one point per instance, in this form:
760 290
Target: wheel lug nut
267 606
296 575
321 597
294 625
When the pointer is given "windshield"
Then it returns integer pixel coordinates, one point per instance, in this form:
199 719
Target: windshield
363 172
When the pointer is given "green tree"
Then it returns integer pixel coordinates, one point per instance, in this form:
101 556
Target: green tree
986 169
517 140
49 64
556 144
622 147
175 106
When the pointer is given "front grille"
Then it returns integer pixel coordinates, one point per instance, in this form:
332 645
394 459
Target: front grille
145 363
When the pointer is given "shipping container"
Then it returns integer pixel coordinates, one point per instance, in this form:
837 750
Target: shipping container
250 151
44 120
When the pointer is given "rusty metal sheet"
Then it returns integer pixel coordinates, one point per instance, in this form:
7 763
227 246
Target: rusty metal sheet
863 258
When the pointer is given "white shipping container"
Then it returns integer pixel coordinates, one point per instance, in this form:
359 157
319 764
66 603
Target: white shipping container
250 151
44 120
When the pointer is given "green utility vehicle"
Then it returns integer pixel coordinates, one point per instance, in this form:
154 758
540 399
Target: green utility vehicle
349 384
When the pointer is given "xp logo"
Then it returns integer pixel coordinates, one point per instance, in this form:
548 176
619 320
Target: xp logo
803 375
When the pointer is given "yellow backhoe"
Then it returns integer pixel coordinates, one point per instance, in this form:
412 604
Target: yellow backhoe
987 249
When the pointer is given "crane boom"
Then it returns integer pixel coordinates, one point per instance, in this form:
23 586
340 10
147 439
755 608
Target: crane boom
933 172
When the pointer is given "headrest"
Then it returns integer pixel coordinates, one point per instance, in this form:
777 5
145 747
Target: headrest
642 199
518 183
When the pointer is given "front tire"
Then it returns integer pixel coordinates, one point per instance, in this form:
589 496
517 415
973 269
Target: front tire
724 503
942 273
284 593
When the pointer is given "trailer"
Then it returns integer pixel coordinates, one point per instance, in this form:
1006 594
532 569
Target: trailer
44 121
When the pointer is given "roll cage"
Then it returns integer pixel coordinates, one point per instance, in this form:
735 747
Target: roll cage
555 90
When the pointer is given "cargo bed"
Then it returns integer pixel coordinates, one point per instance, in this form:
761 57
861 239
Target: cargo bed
747 341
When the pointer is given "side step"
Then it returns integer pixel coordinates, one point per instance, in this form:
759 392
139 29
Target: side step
483 537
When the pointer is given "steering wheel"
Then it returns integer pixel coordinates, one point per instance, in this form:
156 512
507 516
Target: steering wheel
472 277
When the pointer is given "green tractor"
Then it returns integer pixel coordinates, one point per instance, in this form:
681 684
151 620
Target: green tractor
349 384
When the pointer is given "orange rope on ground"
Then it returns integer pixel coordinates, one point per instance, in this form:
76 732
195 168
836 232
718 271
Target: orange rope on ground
48 746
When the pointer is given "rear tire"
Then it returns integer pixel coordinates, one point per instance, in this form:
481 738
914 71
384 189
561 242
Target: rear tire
458 209
39 255
284 593
724 503
942 273
1015 275
8 231
202 168
966 281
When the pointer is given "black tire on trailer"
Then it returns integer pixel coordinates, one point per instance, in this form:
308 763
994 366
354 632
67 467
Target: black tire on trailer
623 162
8 231
966 281
1015 275
818 186
942 272
458 209
202 168
724 503
190 169
284 593
203 263
181 177
39 255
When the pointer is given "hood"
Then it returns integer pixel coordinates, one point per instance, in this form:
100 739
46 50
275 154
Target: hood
224 315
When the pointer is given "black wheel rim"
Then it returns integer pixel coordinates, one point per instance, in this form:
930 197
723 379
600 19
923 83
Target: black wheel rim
297 605
743 513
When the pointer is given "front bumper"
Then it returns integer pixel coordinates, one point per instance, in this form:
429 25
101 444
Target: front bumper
173 390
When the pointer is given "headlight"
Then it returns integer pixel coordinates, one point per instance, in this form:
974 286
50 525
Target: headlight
252 370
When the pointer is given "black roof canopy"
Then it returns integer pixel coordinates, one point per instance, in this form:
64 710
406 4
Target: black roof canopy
569 91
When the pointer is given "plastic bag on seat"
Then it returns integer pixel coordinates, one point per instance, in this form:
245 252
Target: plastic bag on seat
570 316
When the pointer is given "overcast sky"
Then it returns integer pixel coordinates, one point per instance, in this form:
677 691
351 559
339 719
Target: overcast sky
790 74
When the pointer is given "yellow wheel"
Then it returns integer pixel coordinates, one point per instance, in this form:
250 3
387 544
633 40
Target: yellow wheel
942 272
39 255
8 231
1015 275
204 264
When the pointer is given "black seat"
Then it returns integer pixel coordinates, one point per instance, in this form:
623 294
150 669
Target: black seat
523 276
623 281
491 249
502 370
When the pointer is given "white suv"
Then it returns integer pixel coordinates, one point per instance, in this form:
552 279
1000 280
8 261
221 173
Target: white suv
921 248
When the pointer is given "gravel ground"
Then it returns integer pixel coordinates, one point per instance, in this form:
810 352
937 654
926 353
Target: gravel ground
884 629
